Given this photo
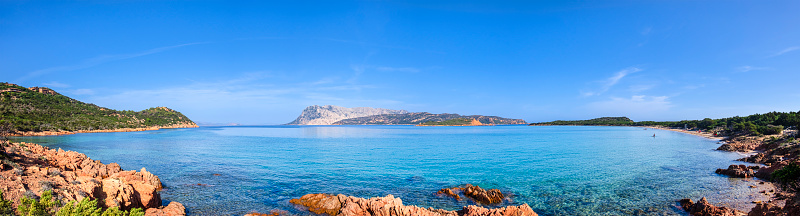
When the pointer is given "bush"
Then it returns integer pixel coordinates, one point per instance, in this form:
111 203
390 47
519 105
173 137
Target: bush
788 177
5 205
46 185
90 208
45 206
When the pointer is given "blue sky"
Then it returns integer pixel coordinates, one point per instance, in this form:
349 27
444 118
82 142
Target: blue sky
262 62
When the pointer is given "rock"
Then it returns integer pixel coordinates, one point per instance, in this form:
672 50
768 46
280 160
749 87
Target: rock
737 171
173 209
483 196
703 208
476 193
765 209
390 206
449 192
74 176
521 210
118 194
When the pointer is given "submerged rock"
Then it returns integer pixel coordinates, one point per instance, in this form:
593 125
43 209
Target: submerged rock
477 193
390 206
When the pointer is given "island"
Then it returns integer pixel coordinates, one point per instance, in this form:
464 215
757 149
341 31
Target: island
336 115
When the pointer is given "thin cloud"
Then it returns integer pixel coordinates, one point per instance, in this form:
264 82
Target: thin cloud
55 84
398 69
646 31
784 51
611 81
91 62
637 106
81 92
748 68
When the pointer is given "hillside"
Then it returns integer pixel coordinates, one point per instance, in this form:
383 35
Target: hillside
612 121
328 114
454 122
39 109
420 117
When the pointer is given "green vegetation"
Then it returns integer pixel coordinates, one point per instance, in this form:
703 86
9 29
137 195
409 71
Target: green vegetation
757 124
788 177
5 206
90 208
28 110
47 205
609 121
458 121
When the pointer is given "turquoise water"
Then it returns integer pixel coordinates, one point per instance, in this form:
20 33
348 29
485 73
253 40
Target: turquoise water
557 170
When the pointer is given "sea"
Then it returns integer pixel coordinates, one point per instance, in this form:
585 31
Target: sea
557 170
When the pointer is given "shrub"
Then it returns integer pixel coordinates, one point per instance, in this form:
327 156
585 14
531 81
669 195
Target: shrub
46 185
89 207
788 177
54 172
45 206
5 205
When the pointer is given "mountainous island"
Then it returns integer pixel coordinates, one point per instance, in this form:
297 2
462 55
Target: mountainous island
42 111
335 115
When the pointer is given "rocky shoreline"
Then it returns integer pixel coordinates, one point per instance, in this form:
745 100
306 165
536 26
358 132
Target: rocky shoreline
59 133
29 169
774 152
334 205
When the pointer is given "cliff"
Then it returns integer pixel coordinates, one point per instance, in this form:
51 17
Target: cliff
420 117
328 114
43 111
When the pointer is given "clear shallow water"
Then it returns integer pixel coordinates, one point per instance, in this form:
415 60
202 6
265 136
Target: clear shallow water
557 170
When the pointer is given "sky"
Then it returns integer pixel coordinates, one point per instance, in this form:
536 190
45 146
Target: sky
263 62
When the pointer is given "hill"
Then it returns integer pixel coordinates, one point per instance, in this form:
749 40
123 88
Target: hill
420 117
610 121
328 114
40 109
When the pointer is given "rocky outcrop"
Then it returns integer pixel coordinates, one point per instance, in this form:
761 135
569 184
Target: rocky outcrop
741 144
476 193
765 209
703 208
173 209
390 206
44 90
33 168
739 171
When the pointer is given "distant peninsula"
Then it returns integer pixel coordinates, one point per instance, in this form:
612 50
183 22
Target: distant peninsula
604 121
39 111
335 115
454 122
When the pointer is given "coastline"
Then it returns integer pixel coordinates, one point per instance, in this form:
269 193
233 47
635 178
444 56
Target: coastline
700 134
30 169
59 133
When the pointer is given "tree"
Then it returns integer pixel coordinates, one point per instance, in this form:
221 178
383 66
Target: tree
6 130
